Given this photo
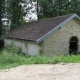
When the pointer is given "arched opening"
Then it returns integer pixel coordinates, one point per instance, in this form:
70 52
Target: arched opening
1 44
73 45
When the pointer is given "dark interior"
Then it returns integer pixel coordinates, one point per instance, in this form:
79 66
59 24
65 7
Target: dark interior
1 44
73 48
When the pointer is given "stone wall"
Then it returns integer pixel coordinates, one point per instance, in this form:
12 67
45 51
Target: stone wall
55 44
27 47
58 42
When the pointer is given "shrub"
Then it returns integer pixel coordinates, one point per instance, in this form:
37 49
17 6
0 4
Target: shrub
12 48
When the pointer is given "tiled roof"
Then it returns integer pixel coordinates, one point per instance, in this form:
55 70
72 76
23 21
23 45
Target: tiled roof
35 30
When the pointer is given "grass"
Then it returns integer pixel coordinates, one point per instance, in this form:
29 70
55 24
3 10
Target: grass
10 59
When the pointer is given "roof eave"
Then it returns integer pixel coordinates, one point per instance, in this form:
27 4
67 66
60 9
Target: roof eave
57 27
21 39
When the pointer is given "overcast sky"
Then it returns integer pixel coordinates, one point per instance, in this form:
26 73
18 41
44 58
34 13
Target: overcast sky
31 15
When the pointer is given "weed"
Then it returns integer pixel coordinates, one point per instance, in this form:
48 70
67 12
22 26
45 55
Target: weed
11 59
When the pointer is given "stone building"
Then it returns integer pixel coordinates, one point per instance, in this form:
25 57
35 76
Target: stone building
53 36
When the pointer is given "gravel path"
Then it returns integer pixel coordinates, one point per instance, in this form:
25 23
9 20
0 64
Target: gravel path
42 72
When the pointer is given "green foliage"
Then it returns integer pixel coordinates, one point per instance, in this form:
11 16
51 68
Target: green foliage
51 8
12 49
0 18
46 7
37 59
10 58
15 12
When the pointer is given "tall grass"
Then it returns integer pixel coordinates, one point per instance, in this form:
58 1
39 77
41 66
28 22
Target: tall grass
11 59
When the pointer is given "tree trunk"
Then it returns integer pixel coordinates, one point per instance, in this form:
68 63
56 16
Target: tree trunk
0 17
37 10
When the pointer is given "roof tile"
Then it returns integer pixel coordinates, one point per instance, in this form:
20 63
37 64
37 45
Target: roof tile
35 30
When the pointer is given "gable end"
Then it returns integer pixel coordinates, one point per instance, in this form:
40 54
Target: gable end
57 27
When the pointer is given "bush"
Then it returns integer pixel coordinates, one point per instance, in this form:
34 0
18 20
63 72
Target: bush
10 58
12 48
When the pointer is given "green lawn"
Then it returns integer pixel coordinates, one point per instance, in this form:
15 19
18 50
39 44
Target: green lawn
11 59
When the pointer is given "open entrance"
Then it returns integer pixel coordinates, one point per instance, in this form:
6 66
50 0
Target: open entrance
73 45
1 44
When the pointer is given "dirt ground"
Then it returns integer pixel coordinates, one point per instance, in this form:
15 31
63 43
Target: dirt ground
42 72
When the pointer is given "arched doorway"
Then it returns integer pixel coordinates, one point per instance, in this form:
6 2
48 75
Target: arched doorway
1 44
73 45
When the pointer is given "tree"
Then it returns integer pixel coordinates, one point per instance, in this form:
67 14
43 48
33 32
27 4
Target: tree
46 8
14 12
75 6
51 8
17 10
0 18
1 40
60 7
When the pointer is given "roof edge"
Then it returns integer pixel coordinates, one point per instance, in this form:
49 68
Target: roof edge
57 27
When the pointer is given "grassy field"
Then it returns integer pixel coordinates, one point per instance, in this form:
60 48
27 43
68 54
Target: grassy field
10 59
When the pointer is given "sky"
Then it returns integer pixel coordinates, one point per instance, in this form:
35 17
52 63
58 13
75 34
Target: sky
31 14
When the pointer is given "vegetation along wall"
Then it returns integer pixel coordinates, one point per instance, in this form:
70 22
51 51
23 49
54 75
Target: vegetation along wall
56 44
30 48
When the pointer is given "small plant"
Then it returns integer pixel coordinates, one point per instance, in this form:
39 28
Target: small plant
10 58
13 49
